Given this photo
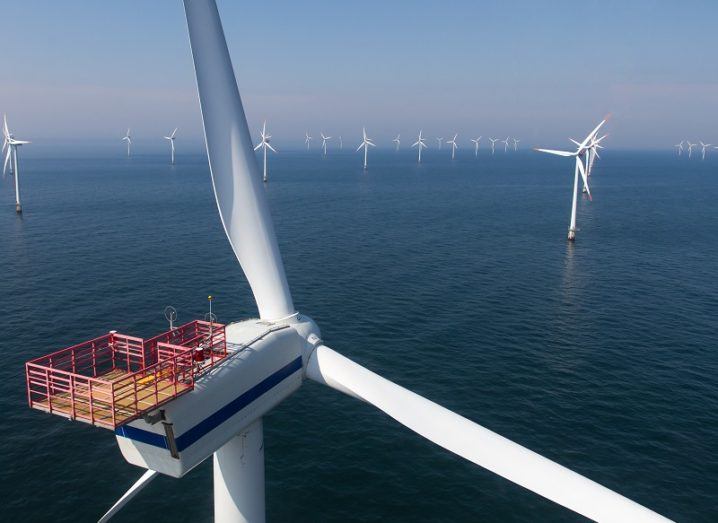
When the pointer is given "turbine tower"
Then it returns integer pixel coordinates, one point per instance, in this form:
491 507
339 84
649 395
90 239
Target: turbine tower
679 147
506 144
421 144
397 141
11 143
127 138
264 144
366 143
476 145
324 142
307 139
171 138
341 143
704 146
493 144
222 415
579 168
453 146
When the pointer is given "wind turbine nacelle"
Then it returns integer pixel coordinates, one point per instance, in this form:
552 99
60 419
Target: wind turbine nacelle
266 364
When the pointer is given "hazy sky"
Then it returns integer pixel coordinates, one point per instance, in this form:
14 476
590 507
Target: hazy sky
76 70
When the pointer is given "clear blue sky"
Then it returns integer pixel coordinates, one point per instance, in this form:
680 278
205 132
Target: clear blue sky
79 69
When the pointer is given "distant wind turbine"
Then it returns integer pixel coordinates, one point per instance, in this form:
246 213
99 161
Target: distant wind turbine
476 145
704 146
690 148
171 138
397 141
453 146
127 138
264 144
341 143
440 140
516 144
493 144
12 145
420 143
506 144
366 143
679 147
307 139
579 168
324 142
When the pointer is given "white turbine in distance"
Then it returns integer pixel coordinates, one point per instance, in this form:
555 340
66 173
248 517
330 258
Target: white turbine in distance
341 143
704 146
171 138
272 355
516 144
493 144
366 143
679 147
127 138
421 144
579 168
690 148
441 141
397 141
453 146
11 144
325 139
591 155
506 144
307 139
264 144
6 149
476 145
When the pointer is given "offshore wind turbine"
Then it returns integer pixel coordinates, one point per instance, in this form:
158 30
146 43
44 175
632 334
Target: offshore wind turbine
476 145
421 144
506 144
453 146
366 143
579 168
222 416
324 142
171 138
516 144
679 147
307 139
397 141
690 148
127 138
704 146
12 144
493 144
264 144
440 140
6 149
341 143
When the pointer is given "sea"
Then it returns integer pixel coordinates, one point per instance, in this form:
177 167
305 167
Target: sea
452 278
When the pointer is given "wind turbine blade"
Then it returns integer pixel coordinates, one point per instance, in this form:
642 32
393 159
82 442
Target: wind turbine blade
582 170
260 144
271 148
173 133
8 156
131 493
474 442
415 144
557 153
360 146
593 133
236 179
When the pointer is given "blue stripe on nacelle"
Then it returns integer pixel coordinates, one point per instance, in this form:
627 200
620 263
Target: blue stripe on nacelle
214 420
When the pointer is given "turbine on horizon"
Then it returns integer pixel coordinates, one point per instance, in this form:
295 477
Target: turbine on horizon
579 168
704 146
690 148
171 138
11 144
506 144
341 143
441 141
264 144
307 139
421 144
324 142
476 145
397 141
366 143
493 144
679 147
127 138
453 146
516 143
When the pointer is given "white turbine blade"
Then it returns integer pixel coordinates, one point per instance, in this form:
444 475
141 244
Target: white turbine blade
260 144
271 148
8 156
127 496
557 153
575 142
236 179
474 442
415 144
360 146
173 133
593 133
582 170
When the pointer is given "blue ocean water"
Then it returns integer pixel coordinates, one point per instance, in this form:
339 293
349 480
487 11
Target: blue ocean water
453 279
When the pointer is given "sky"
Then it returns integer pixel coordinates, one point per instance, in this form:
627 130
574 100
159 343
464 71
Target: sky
82 71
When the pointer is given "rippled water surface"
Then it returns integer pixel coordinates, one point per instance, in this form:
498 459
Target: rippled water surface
453 279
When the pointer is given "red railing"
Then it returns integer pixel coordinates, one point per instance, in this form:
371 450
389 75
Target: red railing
116 378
